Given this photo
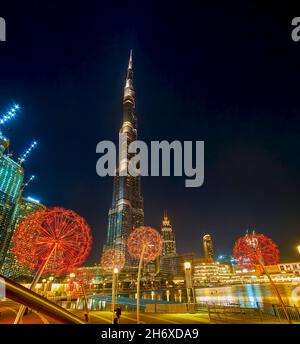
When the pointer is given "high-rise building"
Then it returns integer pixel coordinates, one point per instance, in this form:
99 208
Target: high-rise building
11 267
11 181
208 248
127 210
168 237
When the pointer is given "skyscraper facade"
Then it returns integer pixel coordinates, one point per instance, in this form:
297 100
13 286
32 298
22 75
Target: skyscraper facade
170 261
169 244
127 210
11 267
208 248
11 181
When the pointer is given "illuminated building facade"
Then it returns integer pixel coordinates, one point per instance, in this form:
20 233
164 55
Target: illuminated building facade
208 248
205 273
127 210
173 266
11 267
169 244
11 181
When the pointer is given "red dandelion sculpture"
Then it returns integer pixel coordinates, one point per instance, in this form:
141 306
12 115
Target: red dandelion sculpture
56 234
145 244
52 240
254 250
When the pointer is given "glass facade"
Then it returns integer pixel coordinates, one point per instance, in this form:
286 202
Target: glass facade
11 267
11 181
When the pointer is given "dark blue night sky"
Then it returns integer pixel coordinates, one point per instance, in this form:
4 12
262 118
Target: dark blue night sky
224 72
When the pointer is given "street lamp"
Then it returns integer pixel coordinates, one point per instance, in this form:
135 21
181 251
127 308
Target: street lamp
187 265
44 281
114 291
188 279
51 278
298 248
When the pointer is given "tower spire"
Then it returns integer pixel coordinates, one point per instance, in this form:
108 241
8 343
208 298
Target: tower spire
130 60
129 89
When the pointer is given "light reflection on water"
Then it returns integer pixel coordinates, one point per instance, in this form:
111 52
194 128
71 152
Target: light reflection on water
249 295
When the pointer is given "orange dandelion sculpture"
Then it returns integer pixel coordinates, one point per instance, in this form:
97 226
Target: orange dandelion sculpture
144 243
113 260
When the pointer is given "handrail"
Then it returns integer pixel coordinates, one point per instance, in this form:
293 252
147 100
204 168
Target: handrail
27 297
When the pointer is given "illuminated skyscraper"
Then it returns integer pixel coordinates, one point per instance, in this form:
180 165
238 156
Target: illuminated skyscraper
127 210
11 180
170 262
169 244
11 267
208 248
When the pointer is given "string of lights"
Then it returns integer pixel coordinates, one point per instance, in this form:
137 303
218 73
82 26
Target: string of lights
11 113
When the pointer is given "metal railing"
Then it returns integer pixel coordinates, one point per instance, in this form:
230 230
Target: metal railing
263 312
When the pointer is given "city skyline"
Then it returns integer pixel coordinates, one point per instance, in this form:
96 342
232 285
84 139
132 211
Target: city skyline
250 173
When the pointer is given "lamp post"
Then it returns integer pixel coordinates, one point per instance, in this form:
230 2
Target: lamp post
188 279
114 291
113 260
49 288
44 281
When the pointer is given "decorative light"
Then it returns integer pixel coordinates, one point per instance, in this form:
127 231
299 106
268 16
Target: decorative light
255 249
58 231
145 239
9 114
144 243
187 265
33 200
27 152
29 181
112 259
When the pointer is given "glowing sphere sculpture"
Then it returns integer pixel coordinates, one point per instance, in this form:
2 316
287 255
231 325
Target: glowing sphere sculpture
255 249
83 277
147 239
111 259
56 234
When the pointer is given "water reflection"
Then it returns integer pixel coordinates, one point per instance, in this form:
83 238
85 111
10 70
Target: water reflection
248 295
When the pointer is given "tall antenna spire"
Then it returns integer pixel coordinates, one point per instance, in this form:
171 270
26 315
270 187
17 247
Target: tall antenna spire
130 60
129 90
